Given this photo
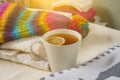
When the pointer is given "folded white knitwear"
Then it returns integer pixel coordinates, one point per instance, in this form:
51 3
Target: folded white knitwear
20 51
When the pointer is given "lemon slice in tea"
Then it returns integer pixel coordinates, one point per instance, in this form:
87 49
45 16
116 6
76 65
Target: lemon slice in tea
56 40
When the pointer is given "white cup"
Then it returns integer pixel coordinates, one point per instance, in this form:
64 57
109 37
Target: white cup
60 56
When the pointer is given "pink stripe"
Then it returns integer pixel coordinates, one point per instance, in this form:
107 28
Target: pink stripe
50 21
3 10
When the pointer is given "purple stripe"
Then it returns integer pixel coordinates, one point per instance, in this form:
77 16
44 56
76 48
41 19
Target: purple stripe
4 9
3 4
8 36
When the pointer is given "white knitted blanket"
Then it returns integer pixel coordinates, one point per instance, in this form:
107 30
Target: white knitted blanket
19 51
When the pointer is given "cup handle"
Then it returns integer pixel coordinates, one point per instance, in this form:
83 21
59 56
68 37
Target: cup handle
35 55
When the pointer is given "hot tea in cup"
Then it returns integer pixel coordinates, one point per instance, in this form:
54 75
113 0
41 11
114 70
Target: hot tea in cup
62 39
62 46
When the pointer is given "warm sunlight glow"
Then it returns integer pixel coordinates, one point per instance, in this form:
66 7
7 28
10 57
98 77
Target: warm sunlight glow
44 4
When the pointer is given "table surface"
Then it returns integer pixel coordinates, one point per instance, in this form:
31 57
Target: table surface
99 39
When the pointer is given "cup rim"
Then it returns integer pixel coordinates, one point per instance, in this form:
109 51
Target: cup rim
79 38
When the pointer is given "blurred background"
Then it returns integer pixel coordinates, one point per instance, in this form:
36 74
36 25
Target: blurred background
109 11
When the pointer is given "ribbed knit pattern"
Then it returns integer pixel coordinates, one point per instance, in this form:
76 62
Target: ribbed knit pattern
18 22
